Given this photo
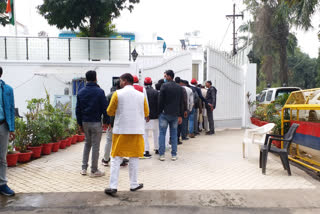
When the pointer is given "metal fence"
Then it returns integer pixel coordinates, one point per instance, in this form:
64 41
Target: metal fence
64 49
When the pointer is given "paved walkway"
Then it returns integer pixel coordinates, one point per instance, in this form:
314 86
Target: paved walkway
205 163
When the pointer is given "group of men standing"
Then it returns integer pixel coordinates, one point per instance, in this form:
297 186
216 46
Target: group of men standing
130 111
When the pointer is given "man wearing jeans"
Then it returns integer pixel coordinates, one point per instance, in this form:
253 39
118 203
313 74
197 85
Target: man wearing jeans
91 104
171 109
6 132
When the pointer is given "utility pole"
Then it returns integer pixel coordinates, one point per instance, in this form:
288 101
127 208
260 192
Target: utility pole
234 16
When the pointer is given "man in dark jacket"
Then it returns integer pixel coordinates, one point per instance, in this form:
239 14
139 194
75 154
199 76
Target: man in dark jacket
110 121
153 124
171 113
211 98
7 128
194 82
91 104
185 108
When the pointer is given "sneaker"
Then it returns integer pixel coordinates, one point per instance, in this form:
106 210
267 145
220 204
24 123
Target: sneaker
174 158
5 190
156 151
83 172
97 173
104 162
162 158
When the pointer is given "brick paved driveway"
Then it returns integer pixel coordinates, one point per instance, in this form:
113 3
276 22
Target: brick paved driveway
205 163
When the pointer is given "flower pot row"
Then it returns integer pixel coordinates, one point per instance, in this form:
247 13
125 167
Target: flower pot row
44 149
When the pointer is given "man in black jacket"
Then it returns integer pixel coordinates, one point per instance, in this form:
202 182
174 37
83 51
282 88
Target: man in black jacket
185 109
153 124
110 121
171 112
211 98
91 104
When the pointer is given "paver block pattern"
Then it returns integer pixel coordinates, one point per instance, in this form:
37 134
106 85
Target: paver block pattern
204 163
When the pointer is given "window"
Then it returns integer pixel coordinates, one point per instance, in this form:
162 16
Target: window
195 71
269 95
281 92
263 96
78 84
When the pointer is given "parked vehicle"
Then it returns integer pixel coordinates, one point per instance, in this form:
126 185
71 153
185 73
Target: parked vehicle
269 95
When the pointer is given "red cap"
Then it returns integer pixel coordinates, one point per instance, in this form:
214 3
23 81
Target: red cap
148 81
194 81
135 79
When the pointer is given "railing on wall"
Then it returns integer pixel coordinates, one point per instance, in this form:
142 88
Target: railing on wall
64 49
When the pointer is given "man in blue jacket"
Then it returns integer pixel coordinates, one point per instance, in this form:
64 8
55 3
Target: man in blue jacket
6 132
91 104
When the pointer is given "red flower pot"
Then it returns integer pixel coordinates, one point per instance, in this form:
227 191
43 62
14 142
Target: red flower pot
55 146
12 159
25 157
47 148
36 151
68 142
82 137
63 144
74 139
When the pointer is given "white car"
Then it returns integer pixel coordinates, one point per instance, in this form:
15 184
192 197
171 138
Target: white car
269 95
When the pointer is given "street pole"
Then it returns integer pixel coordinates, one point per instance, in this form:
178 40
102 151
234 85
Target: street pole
234 16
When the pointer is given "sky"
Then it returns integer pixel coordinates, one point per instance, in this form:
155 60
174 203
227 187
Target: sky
171 19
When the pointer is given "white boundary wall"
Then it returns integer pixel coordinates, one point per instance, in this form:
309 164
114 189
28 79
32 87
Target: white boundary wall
30 79
180 64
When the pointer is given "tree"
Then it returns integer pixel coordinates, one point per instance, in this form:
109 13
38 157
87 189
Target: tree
89 16
302 70
3 18
273 20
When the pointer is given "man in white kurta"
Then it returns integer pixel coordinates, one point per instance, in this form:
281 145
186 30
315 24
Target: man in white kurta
130 109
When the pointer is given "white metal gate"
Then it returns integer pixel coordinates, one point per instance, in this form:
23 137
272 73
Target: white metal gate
228 79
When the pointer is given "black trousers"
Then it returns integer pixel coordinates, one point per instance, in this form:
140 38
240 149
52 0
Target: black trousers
210 119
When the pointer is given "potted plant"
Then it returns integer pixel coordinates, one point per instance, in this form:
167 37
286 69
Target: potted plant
55 128
12 156
73 131
66 133
35 126
21 141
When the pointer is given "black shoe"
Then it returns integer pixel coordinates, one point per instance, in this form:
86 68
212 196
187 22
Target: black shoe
185 138
124 163
125 160
111 192
209 133
138 187
147 154
105 163
156 151
197 133
179 142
